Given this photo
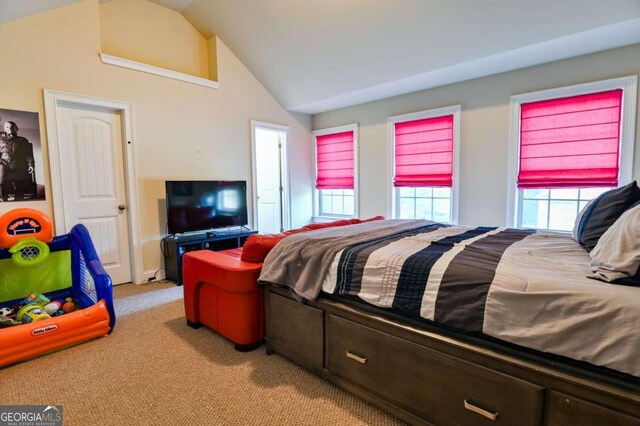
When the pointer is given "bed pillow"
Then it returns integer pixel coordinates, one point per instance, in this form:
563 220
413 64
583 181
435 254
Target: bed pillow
602 212
322 225
586 208
258 246
373 219
616 257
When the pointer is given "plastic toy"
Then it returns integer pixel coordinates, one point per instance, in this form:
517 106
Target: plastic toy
32 313
36 298
25 233
8 322
68 306
53 307
66 266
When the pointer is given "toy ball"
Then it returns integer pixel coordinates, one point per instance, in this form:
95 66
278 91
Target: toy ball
68 307
6 312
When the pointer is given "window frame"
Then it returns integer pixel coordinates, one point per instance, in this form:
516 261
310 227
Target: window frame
627 132
392 197
316 192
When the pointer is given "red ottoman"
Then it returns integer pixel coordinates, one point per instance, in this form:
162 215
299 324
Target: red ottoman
221 292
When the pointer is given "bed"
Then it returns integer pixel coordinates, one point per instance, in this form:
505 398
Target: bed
511 311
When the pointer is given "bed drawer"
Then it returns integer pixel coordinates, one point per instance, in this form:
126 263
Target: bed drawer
436 387
294 329
569 410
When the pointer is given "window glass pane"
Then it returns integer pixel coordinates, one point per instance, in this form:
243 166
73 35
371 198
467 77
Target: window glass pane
338 204
442 192
349 207
406 192
407 208
424 192
591 193
562 215
441 210
423 208
562 210
535 193
534 213
566 194
326 203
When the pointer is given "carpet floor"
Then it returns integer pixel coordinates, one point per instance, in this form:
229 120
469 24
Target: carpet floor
153 369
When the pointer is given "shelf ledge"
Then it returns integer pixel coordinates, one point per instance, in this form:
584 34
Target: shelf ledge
163 72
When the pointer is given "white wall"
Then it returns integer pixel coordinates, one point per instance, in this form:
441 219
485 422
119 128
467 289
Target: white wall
183 131
484 129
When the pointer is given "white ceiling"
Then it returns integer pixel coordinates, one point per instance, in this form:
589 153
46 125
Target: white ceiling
16 9
318 55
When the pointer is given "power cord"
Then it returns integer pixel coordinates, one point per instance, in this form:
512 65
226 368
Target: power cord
163 249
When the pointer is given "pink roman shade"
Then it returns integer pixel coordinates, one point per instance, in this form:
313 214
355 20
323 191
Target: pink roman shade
571 142
424 153
335 161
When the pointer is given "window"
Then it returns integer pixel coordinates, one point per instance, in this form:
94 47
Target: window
229 199
571 145
424 152
336 177
554 209
336 202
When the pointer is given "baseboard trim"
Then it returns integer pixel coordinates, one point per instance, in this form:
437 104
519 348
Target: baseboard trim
149 274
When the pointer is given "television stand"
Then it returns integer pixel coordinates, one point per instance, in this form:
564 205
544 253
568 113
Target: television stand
175 246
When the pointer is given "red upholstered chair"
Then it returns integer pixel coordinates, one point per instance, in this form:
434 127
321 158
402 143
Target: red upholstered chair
220 292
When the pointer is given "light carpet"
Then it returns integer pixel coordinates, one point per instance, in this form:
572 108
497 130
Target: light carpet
153 369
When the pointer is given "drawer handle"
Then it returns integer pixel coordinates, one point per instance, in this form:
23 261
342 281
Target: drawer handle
355 357
471 407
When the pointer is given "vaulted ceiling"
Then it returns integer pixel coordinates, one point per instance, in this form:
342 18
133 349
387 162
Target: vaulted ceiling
317 55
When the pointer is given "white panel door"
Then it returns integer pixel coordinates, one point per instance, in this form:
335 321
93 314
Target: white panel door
269 179
93 184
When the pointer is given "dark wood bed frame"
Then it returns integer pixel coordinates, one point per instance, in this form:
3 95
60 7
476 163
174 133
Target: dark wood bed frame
425 377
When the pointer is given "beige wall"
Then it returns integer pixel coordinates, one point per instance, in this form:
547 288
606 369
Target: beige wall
152 34
183 131
484 129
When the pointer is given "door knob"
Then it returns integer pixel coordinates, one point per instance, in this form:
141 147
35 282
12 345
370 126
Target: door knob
121 207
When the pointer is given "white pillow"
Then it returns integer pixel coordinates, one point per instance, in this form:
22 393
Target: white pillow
617 254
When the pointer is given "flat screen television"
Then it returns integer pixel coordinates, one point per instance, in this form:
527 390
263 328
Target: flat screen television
201 205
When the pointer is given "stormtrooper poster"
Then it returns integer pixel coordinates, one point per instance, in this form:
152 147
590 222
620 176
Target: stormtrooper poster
21 168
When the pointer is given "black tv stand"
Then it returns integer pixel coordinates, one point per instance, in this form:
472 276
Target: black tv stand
175 246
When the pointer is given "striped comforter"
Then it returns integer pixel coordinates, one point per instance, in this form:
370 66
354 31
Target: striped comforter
436 272
519 286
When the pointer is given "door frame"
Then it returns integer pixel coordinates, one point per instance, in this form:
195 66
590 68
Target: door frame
53 99
286 200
